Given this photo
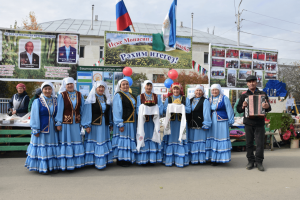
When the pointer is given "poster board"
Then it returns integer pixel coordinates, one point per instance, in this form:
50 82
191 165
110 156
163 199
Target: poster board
135 49
88 75
231 65
37 55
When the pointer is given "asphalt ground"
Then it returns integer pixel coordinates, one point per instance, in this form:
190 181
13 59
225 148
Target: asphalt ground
281 180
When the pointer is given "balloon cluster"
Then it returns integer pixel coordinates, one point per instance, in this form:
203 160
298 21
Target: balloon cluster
172 74
127 71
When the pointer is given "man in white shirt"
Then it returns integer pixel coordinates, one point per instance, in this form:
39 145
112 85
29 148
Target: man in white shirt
28 59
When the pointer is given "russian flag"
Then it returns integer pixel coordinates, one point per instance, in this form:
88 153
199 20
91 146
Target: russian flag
123 18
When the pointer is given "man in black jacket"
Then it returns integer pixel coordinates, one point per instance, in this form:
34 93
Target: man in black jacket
254 127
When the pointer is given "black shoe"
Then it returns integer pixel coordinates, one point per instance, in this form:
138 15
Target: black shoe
250 165
214 164
54 171
46 173
260 167
125 164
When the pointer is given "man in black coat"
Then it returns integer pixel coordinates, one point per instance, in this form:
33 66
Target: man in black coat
28 59
254 127
67 53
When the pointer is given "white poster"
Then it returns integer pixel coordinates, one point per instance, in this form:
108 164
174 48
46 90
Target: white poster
84 90
97 76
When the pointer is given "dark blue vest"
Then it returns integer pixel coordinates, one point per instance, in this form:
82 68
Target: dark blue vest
45 115
221 110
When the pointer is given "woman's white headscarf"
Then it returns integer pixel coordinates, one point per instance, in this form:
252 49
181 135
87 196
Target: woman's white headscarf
92 98
217 86
48 83
201 87
144 85
65 82
118 88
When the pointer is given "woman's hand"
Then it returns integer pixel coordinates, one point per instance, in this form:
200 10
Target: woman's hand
37 135
88 129
111 128
59 128
121 129
14 112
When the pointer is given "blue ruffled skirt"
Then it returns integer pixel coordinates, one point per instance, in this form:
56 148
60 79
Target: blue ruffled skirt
152 151
98 148
175 152
218 145
197 145
72 152
43 151
124 144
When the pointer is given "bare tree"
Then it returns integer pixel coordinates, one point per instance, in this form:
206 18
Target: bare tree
290 74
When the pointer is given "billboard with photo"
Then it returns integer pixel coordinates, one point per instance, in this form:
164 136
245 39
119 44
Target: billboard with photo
88 75
135 49
37 55
231 65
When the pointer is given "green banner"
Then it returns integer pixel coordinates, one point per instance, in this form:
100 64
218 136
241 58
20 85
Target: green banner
135 49
98 68
37 55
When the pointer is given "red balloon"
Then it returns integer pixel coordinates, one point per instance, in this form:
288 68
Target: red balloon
127 71
173 74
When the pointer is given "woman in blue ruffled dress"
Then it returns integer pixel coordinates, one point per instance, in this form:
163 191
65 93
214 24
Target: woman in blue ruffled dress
43 149
68 120
152 152
124 117
218 145
199 121
97 118
174 151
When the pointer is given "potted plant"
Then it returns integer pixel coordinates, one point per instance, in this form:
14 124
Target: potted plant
288 132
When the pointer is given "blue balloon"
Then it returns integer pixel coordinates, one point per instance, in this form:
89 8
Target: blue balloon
129 80
168 82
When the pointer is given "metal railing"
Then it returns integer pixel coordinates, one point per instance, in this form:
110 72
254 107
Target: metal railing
4 105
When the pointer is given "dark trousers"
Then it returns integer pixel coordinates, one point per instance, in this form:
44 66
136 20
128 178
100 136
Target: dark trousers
257 132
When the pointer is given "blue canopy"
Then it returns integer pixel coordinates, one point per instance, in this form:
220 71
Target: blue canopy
279 86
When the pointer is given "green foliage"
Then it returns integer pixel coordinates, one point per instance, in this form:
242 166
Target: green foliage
138 78
280 121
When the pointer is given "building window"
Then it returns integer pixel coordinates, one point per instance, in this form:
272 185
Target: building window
101 52
206 57
81 55
157 78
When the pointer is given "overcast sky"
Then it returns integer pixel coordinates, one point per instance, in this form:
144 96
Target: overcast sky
207 14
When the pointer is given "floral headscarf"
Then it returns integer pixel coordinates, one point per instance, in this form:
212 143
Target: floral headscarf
178 85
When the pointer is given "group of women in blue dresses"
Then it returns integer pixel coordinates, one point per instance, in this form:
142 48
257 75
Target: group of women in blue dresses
69 132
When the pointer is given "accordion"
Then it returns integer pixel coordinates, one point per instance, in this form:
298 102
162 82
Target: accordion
254 108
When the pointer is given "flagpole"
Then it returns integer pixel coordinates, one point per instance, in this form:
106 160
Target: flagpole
133 27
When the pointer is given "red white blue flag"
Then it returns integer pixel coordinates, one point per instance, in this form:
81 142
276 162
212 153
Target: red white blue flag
123 18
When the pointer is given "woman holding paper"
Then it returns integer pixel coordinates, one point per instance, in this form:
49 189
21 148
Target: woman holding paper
175 147
218 145
148 133
123 142
97 118
199 121
43 149
68 120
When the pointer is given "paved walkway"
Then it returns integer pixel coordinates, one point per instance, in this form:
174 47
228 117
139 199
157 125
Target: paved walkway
281 180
